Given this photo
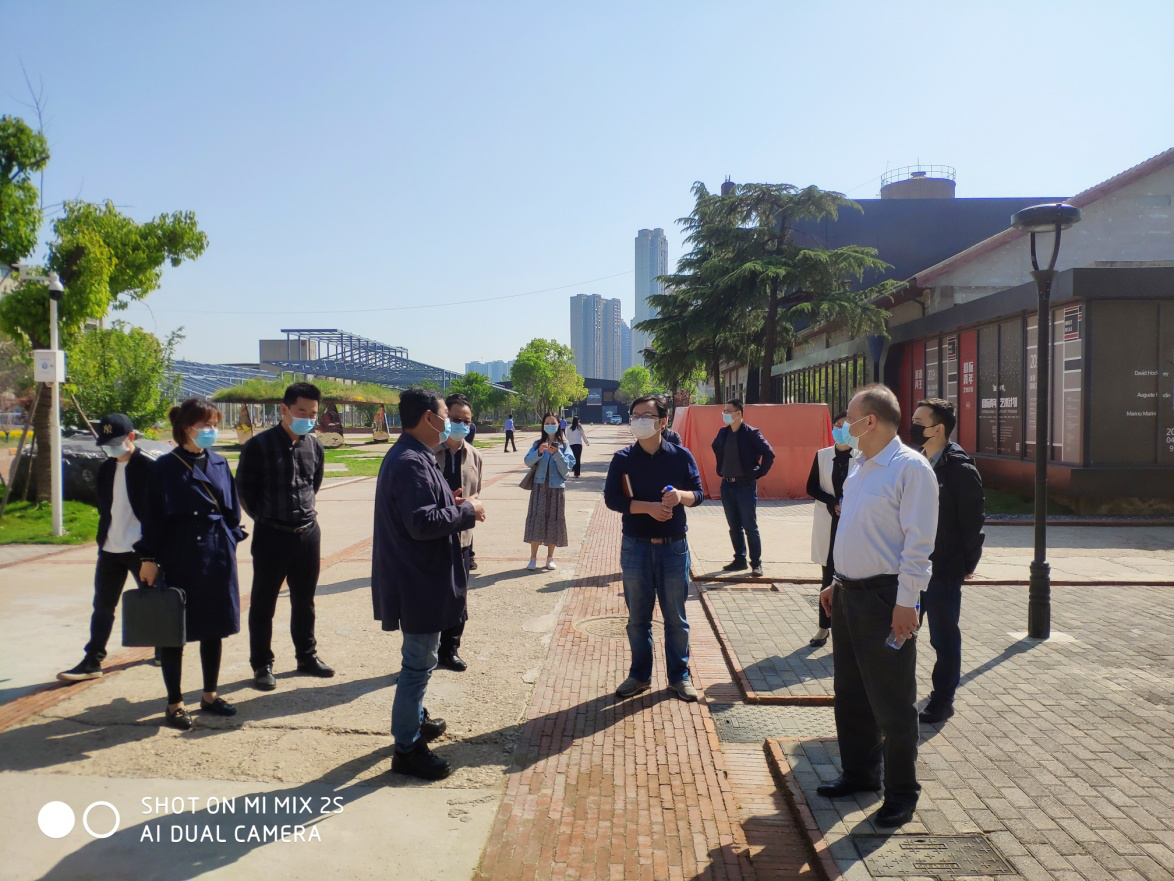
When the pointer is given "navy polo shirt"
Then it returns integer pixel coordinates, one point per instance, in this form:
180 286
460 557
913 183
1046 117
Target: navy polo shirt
647 476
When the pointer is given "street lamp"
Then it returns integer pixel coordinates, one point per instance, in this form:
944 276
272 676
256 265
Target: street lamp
1053 218
56 289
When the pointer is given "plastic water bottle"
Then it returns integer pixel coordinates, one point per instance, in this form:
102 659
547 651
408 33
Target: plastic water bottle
894 641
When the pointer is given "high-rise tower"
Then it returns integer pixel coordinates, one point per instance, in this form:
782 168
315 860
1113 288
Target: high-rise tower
652 260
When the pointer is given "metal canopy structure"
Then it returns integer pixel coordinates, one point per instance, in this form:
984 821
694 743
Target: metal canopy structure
201 380
344 355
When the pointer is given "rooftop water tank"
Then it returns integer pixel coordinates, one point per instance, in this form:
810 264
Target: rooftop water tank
918 182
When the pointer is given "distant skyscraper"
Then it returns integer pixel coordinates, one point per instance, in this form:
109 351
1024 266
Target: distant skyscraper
612 341
625 346
495 370
586 333
652 259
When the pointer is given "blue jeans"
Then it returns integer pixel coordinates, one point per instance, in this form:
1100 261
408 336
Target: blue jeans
407 710
651 573
941 602
740 503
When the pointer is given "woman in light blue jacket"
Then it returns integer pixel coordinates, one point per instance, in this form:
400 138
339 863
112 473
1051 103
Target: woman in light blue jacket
546 519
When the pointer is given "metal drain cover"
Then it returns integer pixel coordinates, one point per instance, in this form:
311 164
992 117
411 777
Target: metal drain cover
611 627
933 856
754 723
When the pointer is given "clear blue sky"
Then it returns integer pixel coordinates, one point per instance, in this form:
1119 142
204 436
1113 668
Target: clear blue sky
370 155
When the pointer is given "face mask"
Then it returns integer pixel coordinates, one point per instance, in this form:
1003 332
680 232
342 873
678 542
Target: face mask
459 431
642 429
206 437
728 418
301 426
840 435
447 429
550 429
115 451
852 440
917 434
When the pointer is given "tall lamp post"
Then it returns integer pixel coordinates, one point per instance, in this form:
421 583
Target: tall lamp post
1053 218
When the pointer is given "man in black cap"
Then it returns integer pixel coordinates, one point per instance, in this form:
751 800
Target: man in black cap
122 484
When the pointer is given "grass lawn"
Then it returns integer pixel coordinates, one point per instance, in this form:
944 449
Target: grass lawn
26 523
999 501
486 445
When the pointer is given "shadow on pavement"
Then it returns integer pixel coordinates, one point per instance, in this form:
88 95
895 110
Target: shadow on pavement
126 853
343 586
796 668
585 581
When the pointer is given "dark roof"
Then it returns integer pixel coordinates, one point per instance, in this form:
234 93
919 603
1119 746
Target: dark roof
912 234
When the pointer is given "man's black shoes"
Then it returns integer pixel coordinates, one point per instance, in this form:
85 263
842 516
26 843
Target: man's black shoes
935 712
430 728
89 668
894 814
735 566
840 787
420 762
314 666
263 678
453 662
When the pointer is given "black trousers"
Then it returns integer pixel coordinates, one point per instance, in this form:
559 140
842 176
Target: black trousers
876 687
171 660
450 640
825 620
109 580
577 449
509 439
283 557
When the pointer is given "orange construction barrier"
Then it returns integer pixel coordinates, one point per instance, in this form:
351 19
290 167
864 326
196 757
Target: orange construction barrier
795 431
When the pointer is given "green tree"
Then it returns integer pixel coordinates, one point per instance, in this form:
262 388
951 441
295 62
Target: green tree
23 152
124 369
105 259
635 383
544 373
483 395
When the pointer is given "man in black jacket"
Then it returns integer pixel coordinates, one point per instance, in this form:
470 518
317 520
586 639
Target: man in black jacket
956 551
122 484
740 465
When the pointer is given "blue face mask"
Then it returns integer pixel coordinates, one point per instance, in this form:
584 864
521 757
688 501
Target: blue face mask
206 438
728 418
459 431
550 429
447 428
301 426
841 434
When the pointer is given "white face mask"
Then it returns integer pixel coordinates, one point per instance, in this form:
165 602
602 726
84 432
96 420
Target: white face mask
116 451
644 428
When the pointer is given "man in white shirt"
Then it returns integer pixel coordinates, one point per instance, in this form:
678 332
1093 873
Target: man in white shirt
121 485
888 524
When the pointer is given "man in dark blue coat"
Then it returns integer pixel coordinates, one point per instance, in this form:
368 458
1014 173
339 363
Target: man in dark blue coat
743 458
418 581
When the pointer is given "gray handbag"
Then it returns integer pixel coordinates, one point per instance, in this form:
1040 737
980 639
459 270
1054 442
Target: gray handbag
154 616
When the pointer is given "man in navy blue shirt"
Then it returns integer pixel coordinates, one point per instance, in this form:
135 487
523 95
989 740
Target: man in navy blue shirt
651 483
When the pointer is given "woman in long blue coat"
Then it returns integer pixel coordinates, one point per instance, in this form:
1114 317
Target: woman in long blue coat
190 533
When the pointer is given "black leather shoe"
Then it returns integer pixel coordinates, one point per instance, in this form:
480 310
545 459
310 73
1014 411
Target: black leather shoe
263 678
817 642
219 707
430 728
314 666
453 662
894 814
179 718
840 787
935 712
420 762
735 566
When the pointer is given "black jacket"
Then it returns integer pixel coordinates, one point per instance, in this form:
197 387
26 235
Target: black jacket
960 514
757 455
137 470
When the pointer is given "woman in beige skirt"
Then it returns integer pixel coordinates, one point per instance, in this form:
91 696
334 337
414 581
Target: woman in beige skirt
546 519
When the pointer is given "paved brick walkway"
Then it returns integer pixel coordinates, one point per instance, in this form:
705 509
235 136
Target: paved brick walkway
639 789
766 632
1061 751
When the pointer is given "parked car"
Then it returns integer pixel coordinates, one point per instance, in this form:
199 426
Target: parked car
614 419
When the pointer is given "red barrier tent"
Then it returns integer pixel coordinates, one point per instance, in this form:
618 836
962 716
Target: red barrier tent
795 431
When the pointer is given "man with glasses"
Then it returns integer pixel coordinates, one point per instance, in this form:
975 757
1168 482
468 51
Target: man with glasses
743 458
651 483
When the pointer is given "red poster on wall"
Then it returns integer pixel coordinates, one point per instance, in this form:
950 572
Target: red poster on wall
967 394
905 384
918 391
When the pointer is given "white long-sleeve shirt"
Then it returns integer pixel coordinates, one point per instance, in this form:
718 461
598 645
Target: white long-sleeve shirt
577 436
889 520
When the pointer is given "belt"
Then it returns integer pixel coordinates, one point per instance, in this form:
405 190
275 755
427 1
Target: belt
737 480
659 540
281 527
874 583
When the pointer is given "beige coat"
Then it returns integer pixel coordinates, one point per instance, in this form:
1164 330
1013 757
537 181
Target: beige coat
470 477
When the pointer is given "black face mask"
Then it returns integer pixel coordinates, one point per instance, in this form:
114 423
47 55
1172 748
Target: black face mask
917 434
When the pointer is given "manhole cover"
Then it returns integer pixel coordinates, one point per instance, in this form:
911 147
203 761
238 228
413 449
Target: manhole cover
933 856
611 627
754 723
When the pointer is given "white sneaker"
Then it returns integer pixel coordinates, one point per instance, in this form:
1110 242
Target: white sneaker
550 565
533 564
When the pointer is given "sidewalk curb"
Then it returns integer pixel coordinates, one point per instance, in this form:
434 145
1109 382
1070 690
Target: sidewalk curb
752 696
817 845
48 554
